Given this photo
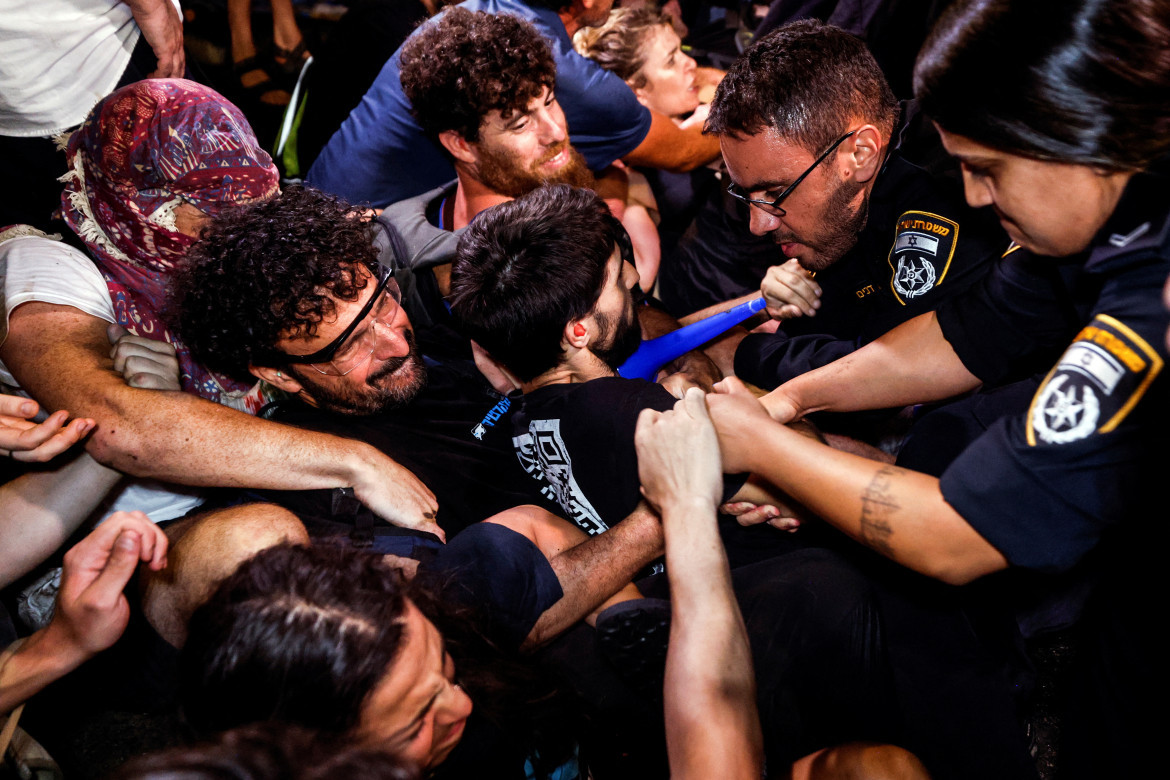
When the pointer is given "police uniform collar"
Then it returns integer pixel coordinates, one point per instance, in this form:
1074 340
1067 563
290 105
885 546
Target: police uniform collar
1139 223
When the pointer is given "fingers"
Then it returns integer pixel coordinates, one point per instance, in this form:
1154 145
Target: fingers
120 566
746 514
15 406
695 404
434 528
790 291
731 386
788 524
92 551
145 363
31 442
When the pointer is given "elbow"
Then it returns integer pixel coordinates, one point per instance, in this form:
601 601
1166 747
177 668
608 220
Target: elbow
118 447
958 568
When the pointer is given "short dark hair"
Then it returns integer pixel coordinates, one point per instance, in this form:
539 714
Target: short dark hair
525 268
1076 81
619 45
262 271
806 80
456 70
296 634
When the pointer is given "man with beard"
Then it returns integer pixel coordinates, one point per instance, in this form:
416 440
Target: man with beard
816 143
290 292
380 155
482 86
546 285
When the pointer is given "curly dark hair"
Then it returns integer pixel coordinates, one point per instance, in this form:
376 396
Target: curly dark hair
457 69
265 270
806 80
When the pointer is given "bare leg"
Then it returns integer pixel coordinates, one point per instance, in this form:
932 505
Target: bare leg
239 13
285 32
244 47
205 549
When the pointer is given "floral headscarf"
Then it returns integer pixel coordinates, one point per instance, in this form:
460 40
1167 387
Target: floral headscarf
144 150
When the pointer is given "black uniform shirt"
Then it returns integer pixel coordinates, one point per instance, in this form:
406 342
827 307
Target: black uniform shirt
1044 487
920 246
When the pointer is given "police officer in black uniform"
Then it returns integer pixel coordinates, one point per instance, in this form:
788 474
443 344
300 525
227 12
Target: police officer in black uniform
815 141
1057 114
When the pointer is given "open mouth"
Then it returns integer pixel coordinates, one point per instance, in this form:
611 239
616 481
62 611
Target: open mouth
557 160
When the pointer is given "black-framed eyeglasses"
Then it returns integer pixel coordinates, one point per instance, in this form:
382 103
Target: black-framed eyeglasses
773 206
325 359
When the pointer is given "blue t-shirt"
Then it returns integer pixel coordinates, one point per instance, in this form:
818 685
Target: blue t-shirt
380 155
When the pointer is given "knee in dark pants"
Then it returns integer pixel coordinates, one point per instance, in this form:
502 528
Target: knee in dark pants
500 575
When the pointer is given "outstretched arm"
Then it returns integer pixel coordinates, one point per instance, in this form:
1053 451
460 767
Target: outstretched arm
590 569
898 513
61 356
673 148
913 363
712 726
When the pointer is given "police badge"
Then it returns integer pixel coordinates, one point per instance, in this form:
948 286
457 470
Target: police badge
1099 379
924 244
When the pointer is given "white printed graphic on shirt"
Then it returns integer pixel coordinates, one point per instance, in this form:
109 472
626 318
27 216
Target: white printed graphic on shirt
544 456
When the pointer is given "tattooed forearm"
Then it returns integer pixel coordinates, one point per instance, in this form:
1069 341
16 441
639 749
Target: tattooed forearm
877 505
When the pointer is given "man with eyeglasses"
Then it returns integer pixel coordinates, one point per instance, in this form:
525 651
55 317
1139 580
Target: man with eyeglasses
290 291
817 145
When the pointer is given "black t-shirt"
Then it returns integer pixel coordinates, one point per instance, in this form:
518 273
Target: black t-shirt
576 441
435 437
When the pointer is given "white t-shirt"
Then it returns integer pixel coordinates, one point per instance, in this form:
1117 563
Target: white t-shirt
34 268
58 58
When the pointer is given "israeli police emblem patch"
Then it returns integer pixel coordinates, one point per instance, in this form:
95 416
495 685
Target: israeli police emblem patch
1098 380
924 244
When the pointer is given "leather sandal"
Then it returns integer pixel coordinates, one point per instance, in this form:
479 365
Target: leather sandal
265 88
290 61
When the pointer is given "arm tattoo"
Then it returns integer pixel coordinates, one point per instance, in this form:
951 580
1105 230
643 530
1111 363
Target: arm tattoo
877 505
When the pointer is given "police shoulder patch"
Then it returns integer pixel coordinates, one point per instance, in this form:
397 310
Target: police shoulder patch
1098 380
924 244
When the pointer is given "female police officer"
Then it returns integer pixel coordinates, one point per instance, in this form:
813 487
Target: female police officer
1057 111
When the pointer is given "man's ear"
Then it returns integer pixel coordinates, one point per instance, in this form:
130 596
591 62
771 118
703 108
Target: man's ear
276 378
578 334
865 151
458 146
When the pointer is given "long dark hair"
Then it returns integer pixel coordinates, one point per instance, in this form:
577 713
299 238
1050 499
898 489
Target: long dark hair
1076 81
303 635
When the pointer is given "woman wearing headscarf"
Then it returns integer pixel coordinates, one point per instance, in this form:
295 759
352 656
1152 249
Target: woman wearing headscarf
149 164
